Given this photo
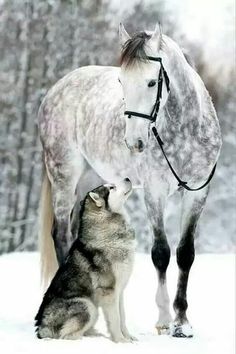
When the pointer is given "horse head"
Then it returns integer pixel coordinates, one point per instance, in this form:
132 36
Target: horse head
142 67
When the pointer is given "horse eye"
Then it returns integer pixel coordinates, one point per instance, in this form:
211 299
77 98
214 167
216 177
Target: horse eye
112 187
152 83
119 80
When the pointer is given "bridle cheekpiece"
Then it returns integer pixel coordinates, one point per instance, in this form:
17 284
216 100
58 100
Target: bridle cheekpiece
162 76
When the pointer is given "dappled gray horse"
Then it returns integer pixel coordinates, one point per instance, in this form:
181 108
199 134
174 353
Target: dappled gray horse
87 138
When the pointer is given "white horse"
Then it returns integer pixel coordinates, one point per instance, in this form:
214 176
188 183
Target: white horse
87 139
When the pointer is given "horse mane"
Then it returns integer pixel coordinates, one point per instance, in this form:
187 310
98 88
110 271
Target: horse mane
133 49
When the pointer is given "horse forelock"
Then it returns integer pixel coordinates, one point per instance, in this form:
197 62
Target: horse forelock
134 49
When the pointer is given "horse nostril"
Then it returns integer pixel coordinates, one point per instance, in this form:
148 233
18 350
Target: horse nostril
140 145
127 179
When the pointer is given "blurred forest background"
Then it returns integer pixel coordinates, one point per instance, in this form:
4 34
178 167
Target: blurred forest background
41 41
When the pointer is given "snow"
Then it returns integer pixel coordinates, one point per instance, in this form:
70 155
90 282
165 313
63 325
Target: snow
211 297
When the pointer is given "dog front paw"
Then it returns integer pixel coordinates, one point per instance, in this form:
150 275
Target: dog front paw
129 336
122 339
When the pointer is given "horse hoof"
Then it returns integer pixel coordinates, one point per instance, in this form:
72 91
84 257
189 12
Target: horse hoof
163 329
181 331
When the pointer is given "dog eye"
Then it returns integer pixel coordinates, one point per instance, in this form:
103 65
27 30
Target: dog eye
152 83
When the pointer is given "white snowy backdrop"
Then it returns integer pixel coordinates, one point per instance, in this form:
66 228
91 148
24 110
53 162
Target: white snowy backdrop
211 310
40 41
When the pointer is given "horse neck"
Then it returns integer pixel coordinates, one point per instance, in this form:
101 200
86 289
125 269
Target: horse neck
184 105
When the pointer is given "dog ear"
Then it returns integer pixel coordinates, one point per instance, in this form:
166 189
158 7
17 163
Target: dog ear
95 197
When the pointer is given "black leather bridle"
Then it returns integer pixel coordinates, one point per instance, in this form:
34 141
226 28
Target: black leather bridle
153 116
162 74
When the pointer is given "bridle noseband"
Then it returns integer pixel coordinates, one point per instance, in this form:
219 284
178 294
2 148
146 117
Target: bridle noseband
153 116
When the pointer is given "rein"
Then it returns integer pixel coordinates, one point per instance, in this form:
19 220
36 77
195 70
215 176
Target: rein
153 116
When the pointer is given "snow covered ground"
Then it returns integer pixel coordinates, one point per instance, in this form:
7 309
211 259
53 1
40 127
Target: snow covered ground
211 309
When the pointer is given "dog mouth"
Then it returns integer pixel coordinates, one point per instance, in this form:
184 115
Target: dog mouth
128 191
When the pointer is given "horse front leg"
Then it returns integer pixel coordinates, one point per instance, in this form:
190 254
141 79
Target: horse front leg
64 177
192 206
160 257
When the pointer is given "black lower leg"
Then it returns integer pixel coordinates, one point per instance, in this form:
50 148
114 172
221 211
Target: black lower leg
185 257
160 253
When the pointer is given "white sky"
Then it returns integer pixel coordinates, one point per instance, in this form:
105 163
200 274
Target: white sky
208 21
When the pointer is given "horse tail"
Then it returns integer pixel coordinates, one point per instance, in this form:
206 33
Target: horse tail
48 260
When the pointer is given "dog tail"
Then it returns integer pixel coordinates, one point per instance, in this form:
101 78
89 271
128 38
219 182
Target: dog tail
48 258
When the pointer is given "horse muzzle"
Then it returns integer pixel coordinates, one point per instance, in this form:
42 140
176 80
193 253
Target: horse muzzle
139 146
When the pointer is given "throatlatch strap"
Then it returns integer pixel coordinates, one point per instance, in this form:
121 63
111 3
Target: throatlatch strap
180 182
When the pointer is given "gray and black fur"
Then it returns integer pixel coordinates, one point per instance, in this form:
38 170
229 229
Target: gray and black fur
94 274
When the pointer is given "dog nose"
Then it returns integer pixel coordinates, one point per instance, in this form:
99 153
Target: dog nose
140 145
127 179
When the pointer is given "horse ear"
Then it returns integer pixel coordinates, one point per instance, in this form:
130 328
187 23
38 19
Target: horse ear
157 35
123 35
95 197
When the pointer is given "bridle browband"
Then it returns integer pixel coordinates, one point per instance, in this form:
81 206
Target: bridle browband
153 116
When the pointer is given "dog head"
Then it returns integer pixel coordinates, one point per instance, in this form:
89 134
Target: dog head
110 197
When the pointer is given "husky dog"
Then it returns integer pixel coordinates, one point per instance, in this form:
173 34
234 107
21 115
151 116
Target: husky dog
95 271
